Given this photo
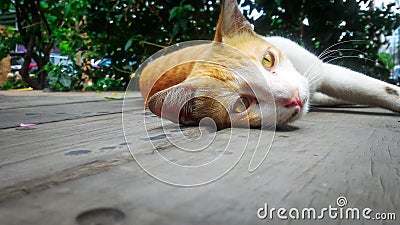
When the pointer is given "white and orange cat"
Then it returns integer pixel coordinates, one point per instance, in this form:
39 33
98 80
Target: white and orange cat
293 77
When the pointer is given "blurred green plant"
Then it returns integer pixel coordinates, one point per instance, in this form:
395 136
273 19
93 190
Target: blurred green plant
387 60
63 77
180 17
14 82
106 84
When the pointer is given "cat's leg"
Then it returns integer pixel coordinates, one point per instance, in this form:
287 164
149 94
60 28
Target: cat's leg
319 99
351 86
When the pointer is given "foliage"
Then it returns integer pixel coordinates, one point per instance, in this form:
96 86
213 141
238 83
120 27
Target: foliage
63 77
177 15
107 84
127 32
36 21
8 39
353 32
135 30
14 82
387 60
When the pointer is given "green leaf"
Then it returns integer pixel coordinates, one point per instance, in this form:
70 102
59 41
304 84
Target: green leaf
67 10
188 8
51 18
65 46
172 13
43 5
128 44
53 79
387 60
65 81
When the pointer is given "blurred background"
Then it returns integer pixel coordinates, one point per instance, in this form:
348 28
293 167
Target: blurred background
96 45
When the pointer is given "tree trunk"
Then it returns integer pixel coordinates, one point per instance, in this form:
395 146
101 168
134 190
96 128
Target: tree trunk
34 29
25 66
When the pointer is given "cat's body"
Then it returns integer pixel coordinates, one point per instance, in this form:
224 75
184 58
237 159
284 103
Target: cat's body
244 79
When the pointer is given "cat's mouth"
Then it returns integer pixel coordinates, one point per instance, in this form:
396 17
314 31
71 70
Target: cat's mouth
294 114
290 115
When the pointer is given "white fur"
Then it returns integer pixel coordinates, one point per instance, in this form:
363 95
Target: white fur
337 82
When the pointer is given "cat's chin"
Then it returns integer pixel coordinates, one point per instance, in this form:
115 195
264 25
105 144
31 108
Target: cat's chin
285 116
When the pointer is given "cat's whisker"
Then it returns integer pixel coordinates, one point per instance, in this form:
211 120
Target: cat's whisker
314 82
349 56
314 79
328 55
339 43
326 59
339 51
311 74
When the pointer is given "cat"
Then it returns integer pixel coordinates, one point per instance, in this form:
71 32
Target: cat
293 77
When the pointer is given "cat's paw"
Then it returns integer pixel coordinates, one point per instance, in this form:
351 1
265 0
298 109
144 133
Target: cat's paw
320 99
393 96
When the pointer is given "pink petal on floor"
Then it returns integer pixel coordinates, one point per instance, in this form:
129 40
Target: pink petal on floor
27 124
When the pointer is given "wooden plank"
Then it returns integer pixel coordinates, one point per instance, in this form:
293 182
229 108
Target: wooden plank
26 99
40 108
51 148
60 143
11 118
351 152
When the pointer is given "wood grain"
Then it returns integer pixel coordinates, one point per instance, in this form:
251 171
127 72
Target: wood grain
53 172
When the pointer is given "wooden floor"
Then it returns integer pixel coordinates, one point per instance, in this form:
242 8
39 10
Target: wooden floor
76 166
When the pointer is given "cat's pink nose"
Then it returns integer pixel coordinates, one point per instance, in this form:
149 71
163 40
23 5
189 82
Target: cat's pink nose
293 101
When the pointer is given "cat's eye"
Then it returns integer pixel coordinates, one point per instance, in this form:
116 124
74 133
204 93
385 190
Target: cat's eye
268 60
242 104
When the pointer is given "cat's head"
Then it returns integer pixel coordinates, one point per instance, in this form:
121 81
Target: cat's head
246 81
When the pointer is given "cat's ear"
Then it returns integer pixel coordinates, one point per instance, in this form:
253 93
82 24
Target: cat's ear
188 103
231 21
174 103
